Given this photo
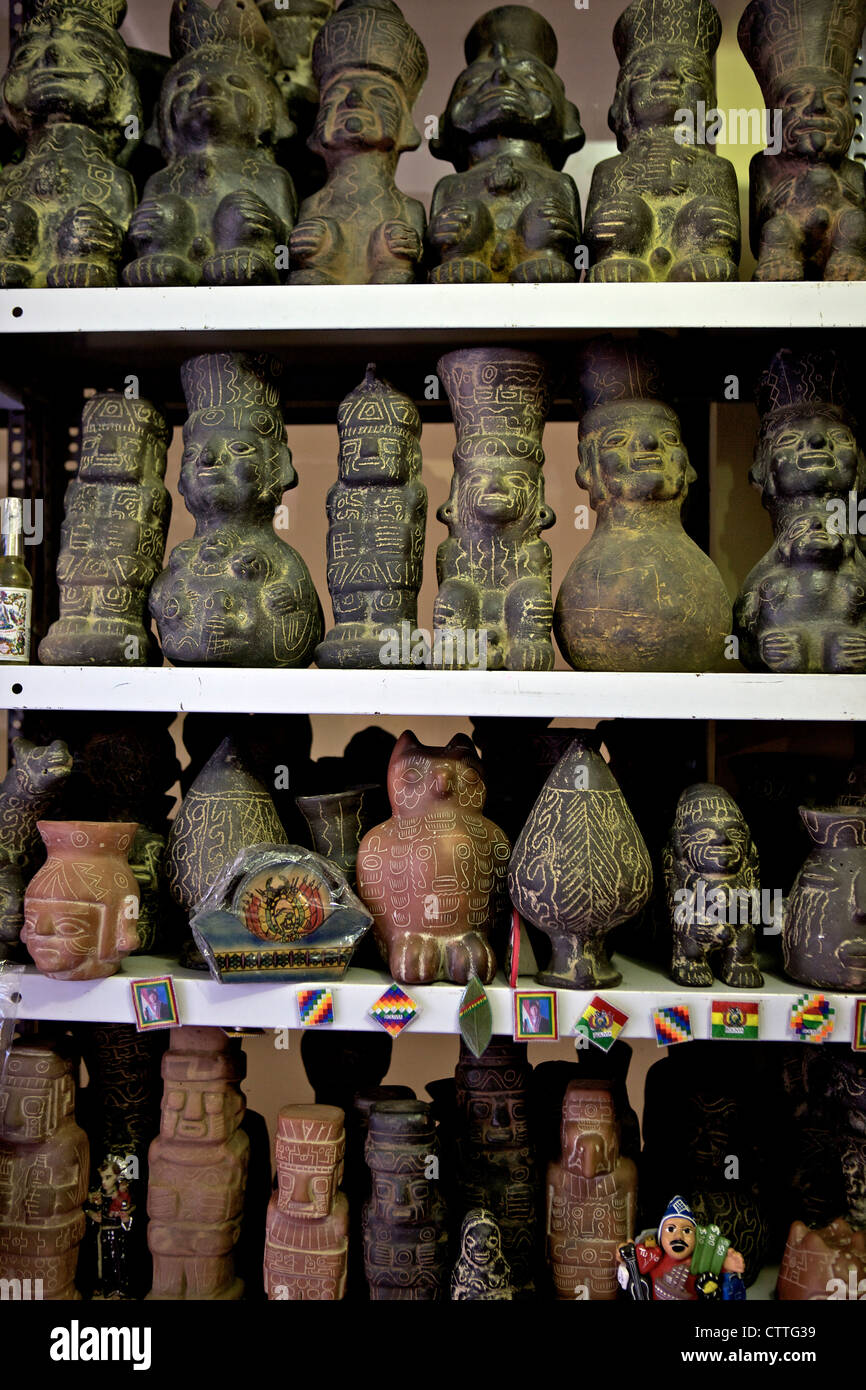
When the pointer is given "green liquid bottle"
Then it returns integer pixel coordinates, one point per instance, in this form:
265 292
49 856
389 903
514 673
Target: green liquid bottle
16 586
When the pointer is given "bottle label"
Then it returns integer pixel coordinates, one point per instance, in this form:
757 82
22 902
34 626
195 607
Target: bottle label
15 624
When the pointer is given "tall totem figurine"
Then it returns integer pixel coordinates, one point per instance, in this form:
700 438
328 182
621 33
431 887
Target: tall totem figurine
221 211
808 200
377 510
28 793
236 594
113 538
307 1240
294 27
666 207
803 606
198 1168
70 96
640 595
404 1221
591 1196
494 570
43 1172
360 229
508 213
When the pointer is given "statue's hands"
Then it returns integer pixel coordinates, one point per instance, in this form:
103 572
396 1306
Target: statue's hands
402 240
158 223
86 230
281 599
458 225
734 1263
708 222
310 238
243 218
548 223
623 224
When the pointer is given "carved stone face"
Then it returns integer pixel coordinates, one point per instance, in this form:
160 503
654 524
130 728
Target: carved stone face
360 110
493 493
403 1196
635 452
817 120
589 1150
31 1109
306 1191
200 1110
68 940
678 1238
497 1119
66 69
481 1244
512 94
111 455
208 99
655 83
715 847
229 471
375 458
812 452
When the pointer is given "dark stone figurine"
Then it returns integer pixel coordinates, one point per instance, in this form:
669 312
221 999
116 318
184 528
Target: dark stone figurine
338 822
712 878
640 595
29 793
360 229
482 1273
808 201
236 594
850 1097
294 26
666 207
113 538
508 213
803 606
824 933
69 94
494 607
221 211
377 511
405 1224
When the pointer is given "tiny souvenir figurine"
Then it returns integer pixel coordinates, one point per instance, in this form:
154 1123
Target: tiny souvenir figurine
222 208
482 1273
808 201
360 229
508 213
591 1196
829 1263
640 596
236 594
433 876
711 874
198 1168
112 539
678 1264
28 792
70 96
294 27
43 1172
404 1221
307 1240
81 908
377 511
824 932
279 910
667 206
494 607
803 606
579 868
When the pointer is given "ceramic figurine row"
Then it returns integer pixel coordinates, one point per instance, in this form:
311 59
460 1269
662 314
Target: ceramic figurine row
398 1199
639 596
250 84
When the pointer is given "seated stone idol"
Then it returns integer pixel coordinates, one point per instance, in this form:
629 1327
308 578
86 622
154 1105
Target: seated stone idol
69 95
508 213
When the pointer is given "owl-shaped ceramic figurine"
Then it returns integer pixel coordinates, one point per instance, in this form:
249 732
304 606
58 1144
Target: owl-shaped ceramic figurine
434 875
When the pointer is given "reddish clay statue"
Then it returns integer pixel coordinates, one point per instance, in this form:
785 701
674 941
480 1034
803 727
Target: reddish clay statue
307 1241
824 1264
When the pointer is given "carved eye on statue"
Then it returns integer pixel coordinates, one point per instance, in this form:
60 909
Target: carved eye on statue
671 438
787 441
239 448
238 82
186 79
616 440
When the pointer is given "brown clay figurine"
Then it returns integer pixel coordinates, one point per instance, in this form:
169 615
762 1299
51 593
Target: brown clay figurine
113 538
28 792
360 229
824 932
433 875
70 96
829 1263
404 1222
808 201
481 1274
803 606
666 207
43 1172
198 1168
306 1245
508 213
236 594
640 596
221 211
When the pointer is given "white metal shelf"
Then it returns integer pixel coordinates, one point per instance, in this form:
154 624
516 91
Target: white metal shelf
202 1000
456 694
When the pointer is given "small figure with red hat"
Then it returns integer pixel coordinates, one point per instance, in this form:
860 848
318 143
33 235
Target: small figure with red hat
679 1265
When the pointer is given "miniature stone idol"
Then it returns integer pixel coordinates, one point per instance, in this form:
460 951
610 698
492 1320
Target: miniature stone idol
28 793
640 595
43 1172
236 594
405 1221
198 1168
667 206
70 97
481 1273
494 607
113 538
591 1195
824 932
294 27
711 873
662 1268
360 229
808 199
433 876
377 511
306 1245
508 213
221 211
803 606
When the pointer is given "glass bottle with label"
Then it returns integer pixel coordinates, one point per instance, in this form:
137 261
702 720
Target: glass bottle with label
16 586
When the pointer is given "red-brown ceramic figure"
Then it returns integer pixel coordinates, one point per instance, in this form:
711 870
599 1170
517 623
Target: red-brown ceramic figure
306 1246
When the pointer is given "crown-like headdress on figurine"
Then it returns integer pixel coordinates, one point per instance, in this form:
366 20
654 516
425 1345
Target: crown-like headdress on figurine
677 1207
375 406
783 37
36 1068
110 410
612 371
203 1054
702 802
690 24
795 381
242 385
507 397
110 13
397 1125
588 1104
235 25
371 34
501 1067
